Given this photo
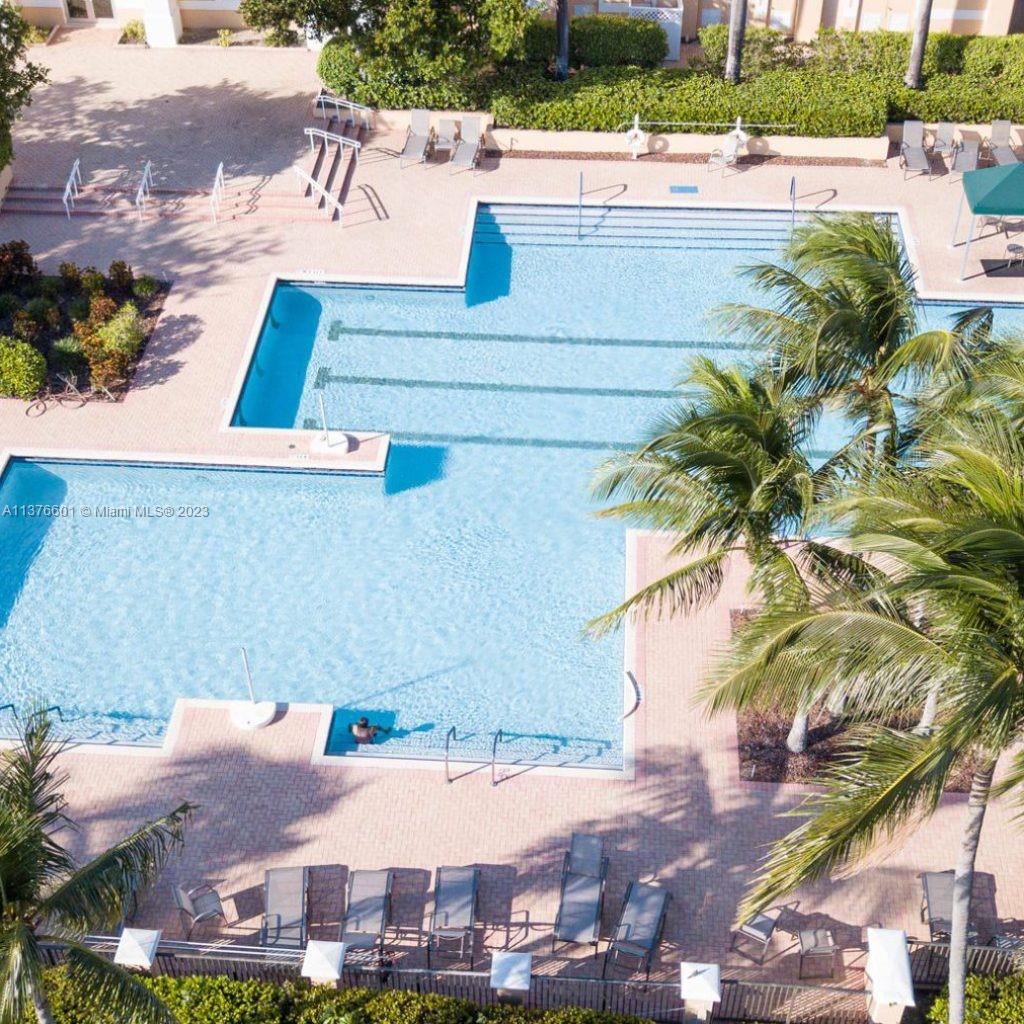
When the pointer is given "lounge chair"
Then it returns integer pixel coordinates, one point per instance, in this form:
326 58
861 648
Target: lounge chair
284 914
455 910
937 906
641 922
584 869
199 904
467 153
944 140
1000 145
965 157
727 156
367 909
914 157
757 929
417 141
445 138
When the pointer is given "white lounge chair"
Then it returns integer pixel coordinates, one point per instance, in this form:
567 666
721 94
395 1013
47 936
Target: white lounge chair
367 909
1000 144
284 915
914 158
965 157
944 140
455 910
467 151
417 141
726 156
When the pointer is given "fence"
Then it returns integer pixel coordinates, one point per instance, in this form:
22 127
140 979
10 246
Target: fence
742 1000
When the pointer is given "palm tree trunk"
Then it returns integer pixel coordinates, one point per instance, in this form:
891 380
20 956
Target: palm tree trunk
931 707
562 35
44 1015
963 882
737 30
913 78
796 741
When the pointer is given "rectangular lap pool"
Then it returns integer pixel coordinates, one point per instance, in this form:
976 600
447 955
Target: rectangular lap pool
452 592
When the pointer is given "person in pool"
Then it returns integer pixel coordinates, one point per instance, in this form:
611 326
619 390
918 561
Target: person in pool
363 732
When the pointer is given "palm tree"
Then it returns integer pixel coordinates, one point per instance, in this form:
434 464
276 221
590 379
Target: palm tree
727 471
737 32
844 324
914 78
951 538
45 897
562 37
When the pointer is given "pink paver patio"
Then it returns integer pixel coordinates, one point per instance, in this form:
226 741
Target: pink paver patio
686 820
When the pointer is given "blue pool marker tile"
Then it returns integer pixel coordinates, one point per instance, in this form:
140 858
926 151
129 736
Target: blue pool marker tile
689 189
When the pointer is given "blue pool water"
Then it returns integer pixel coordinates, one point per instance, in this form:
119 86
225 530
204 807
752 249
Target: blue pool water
453 591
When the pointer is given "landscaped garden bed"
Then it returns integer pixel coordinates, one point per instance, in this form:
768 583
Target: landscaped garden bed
78 330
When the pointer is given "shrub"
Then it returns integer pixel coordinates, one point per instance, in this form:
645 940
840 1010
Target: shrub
602 40
92 281
603 99
9 304
22 369
146 287
24 326
134 31
220 1000
989 1001
39 309
70 275
78 309
16 263
51 288
101 309
124 332
764 49
224 37
540 41
988 57
66 355
281 37
121 275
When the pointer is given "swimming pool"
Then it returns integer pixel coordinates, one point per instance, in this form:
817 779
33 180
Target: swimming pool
453 591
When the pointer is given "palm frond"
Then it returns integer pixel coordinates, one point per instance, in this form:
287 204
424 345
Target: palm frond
111 989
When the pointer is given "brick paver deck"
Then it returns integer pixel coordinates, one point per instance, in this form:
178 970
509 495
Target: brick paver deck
686 820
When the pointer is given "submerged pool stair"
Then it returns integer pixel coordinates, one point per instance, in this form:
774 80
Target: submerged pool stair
633 226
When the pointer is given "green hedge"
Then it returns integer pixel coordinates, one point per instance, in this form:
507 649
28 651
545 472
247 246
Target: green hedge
220 1000
989 1001
605 98
22 369
842 84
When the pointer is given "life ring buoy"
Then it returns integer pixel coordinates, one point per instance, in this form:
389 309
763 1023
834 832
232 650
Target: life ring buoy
636 139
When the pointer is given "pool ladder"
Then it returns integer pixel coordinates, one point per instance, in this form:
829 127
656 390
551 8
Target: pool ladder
452 736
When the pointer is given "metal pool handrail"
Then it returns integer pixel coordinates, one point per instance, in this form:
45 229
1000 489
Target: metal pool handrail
637 696
447 748
498 736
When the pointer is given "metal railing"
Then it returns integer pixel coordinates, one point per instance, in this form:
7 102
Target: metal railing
637 696
341 140
365 114
792 203
498 737
704 124
71 188
319 190
451 735
217 194
145 186
770 1002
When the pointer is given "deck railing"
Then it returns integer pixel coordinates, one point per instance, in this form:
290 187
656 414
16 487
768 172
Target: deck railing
769 1002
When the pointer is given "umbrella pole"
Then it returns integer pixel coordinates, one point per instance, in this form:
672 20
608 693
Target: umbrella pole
967 248
956 223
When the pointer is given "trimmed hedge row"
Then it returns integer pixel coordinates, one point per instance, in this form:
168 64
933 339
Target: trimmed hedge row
219 1000
605 98
844 84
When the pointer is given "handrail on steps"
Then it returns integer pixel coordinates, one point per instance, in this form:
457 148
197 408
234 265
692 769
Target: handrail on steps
319 190
325 99
142 195
217 194
71 187
341 140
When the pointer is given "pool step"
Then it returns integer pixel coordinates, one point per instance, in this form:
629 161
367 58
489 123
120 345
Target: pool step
626 226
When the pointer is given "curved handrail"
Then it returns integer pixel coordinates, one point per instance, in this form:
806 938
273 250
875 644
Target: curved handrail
447 747
342 140
637 696
217 194
338 102
498 736
71 187
144 186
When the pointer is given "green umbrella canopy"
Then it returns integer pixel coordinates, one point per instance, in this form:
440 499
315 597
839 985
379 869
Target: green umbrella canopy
996 191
